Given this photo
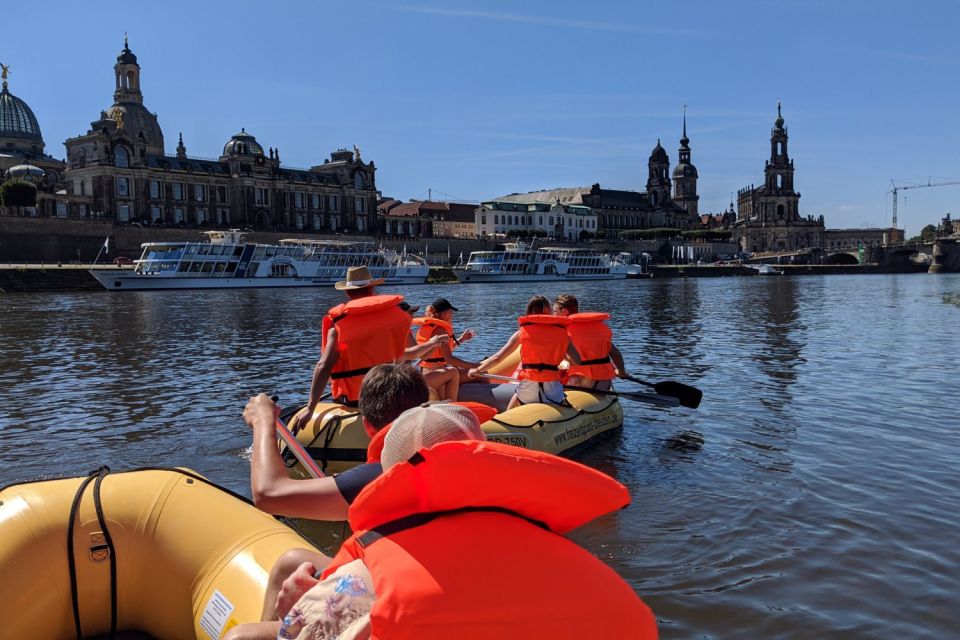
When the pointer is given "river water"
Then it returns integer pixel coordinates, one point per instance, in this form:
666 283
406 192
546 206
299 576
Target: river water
814 492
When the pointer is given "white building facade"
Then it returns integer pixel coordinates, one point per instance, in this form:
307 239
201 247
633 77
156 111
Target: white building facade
497 218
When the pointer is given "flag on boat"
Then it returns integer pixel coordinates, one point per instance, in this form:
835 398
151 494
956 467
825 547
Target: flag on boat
106 245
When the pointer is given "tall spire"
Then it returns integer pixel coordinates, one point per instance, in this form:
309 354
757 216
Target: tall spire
779 121
684 141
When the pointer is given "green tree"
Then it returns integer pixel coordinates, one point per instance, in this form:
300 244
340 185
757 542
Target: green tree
18 193
928 233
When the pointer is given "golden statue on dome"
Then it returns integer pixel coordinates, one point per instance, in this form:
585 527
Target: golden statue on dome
356 153
117 114
5 72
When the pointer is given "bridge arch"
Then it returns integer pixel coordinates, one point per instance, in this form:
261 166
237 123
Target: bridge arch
841 258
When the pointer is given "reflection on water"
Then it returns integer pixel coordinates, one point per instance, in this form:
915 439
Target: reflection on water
812 488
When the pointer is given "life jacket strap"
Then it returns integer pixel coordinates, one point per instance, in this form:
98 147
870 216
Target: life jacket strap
340 375
603 360
419 519
540 366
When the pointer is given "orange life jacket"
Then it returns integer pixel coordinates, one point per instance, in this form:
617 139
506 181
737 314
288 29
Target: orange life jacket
484 413
543 346
370 331
430 327
460 546
591 337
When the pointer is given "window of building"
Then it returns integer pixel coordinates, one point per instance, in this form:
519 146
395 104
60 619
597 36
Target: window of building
496 219
299 221
540 220
333 203
223 216
177 215
123 187
83 211
123 214
483 218
316 222
177 191
315 201
154 214
61 209
358 205
201 216
121 158
261 197
358 181
298 202
154 188
550 221
200 193
334 221
222 195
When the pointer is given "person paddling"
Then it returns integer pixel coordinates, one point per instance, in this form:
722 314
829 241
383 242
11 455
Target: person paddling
592 337
440 367
357 335
543 343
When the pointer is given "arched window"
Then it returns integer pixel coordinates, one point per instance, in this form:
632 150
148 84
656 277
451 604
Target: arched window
779 181
496 219
358 181
780 210
121 157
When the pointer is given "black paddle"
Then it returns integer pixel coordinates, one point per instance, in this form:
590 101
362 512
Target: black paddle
637 396
688 396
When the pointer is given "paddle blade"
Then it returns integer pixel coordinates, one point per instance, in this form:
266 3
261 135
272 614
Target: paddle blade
687 395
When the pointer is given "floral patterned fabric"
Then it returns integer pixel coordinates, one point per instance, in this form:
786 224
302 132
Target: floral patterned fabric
337 608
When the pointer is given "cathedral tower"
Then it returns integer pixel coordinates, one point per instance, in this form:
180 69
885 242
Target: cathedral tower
658 178
685 176
781 200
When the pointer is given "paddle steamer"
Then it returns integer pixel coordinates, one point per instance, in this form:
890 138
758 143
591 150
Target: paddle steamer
227 261
519 262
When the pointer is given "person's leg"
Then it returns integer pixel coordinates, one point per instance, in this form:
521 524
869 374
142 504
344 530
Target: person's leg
282 568
453 384
254 631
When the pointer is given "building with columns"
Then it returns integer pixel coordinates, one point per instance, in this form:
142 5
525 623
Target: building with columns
119 170
768 216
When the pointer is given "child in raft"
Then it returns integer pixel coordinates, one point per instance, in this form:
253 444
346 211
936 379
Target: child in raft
544 344
442 369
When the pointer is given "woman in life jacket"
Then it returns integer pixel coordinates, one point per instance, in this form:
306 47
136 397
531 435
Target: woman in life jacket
544 343
442 369
420 564
592 337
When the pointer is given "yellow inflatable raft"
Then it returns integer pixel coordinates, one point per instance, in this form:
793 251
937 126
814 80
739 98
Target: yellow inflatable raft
169 554
336 439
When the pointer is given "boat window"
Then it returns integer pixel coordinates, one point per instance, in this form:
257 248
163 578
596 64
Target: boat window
207 267
195 267
184 266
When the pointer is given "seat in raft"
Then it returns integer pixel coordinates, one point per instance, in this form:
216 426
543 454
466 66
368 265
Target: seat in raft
192 559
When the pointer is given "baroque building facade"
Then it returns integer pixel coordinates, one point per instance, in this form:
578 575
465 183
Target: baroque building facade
768 216
119 170
610 211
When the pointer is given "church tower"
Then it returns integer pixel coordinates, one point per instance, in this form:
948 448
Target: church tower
780 201
127 73
658 178
685 176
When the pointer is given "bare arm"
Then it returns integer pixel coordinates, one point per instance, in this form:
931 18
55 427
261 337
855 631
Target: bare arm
273 490
416 352
454 360
321 375
498 357
618 361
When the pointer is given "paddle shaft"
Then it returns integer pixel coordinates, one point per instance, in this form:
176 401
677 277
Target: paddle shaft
650 398
296 448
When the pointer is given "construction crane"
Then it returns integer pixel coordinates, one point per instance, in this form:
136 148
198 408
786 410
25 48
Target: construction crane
894 188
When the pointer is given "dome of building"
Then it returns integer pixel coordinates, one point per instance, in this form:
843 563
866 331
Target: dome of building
17 119
126 56
659 154
25 171
685 170
242 144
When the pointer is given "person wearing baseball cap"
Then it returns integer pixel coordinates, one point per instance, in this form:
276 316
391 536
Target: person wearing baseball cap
443 371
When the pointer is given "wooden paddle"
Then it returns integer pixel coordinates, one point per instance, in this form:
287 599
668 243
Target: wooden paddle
297 449
638 396
687 396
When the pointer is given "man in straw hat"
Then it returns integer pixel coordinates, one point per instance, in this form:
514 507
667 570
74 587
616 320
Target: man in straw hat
367 330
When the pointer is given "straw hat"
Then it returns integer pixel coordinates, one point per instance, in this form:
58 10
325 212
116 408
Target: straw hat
358 278
424 426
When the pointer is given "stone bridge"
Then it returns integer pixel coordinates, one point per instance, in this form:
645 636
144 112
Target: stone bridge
944 253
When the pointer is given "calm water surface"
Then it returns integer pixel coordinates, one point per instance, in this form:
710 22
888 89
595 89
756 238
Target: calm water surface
813 494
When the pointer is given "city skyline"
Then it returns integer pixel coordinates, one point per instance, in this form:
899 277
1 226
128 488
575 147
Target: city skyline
477 104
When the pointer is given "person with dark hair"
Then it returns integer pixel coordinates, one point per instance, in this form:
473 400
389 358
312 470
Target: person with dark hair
387 391
543 342
592 337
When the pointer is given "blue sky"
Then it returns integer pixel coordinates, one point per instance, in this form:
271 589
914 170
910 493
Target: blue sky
479 99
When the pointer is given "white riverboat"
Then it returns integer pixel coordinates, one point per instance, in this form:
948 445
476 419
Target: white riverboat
519 262
227 261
